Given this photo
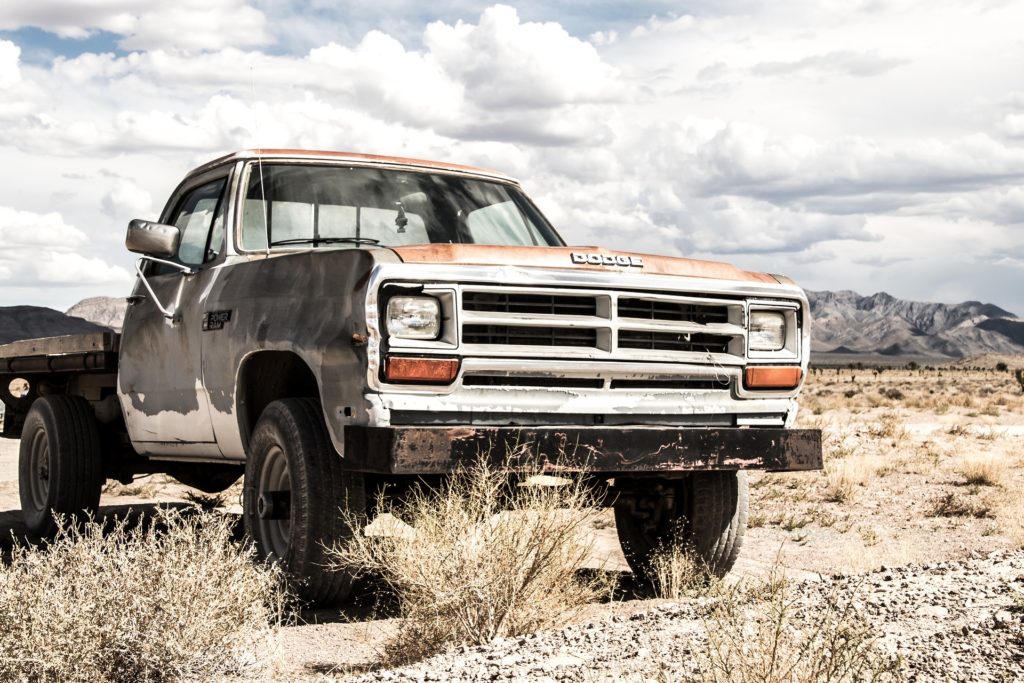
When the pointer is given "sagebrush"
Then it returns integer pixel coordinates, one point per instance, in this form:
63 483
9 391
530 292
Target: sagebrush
487 556
170 599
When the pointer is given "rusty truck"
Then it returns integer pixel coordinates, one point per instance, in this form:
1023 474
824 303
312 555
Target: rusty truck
326 325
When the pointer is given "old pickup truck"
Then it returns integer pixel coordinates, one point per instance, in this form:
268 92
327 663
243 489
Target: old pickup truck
329 325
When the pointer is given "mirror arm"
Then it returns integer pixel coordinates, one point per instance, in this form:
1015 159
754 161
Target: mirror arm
145 283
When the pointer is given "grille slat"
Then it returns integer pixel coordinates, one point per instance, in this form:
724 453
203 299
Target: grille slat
507 335
647 309
668 341
537 304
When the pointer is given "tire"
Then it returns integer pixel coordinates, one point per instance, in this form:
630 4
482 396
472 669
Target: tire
60 464
290 452
706 512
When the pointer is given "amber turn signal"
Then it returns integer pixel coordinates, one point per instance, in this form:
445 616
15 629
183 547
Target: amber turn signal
772 378
433 370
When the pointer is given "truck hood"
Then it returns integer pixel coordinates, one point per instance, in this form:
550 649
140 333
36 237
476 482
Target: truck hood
562 257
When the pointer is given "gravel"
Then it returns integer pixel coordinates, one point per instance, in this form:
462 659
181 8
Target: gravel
947 621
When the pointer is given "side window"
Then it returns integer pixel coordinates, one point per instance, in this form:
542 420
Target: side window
200 218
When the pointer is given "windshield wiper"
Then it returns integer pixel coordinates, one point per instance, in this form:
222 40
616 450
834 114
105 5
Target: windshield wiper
325 240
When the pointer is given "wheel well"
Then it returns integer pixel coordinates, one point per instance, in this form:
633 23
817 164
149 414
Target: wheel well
267 376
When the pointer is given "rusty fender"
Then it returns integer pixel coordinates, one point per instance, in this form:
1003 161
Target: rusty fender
653 450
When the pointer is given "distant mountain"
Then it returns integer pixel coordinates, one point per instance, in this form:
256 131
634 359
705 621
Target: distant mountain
847 322
101 310
30 322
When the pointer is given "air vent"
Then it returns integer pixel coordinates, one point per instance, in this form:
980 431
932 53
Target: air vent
529 304
646 309
507 335
671 341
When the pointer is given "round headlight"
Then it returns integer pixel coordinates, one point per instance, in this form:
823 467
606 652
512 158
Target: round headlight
767 331
414 317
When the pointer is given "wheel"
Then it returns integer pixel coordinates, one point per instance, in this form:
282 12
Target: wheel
706 512
294 487
60 465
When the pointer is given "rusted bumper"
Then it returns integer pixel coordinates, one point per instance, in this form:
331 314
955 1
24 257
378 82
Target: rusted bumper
436 450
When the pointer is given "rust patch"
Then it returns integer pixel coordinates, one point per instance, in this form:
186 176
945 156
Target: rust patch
561 257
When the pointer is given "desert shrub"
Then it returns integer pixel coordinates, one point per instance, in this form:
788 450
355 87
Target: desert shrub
485 558
982 470
842 479
765 636
169 600
955 505
676 573
1001 367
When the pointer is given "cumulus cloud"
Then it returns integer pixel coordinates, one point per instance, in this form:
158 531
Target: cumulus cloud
126 200
43 250
10 72
507 63
844 62
184 24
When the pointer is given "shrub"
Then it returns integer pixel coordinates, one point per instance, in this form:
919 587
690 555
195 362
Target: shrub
953 505
1002 367
766 637
982 470
677 573
485 558
172 599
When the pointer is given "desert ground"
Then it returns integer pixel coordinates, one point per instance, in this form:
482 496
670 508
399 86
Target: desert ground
917 519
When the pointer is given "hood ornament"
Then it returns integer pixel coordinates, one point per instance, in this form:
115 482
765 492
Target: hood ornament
580 258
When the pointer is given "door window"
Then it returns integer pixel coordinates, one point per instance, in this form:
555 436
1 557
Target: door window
200 218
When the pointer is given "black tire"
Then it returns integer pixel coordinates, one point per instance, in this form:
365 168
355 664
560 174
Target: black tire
707 512
290 451
60 464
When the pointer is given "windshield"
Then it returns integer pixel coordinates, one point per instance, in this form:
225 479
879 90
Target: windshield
301 205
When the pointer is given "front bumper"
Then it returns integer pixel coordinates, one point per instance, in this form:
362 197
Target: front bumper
611 450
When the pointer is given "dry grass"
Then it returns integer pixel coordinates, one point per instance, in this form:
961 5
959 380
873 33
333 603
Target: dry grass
957 505
982 469
677 574
487 559
171 600
763 636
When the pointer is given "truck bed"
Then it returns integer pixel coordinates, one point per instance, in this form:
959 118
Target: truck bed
91 352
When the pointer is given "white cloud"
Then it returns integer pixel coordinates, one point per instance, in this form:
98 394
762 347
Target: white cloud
183 24
507 63
126 200
10 73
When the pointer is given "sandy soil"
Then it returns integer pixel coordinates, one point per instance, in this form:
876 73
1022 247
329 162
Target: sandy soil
921 466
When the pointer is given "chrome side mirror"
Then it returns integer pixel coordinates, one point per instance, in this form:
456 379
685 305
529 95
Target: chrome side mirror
152 239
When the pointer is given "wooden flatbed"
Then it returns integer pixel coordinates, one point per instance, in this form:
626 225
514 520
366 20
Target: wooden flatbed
91 352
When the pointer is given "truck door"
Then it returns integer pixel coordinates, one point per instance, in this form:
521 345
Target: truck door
160 381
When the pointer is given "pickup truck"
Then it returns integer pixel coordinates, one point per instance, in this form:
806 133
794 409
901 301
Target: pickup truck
332 325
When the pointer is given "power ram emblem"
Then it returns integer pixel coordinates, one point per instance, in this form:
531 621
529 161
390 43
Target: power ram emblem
608 260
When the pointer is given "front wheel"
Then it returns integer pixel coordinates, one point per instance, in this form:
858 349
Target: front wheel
294 487
60 464
706 512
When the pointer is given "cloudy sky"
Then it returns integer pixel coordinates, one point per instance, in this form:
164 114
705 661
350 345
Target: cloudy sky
869 146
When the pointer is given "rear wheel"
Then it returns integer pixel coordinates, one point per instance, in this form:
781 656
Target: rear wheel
705 512
295 491
60 464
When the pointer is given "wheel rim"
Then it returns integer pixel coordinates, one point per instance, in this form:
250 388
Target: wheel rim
275 533
39 470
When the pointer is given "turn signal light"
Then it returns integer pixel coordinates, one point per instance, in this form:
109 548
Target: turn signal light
772 378
432 370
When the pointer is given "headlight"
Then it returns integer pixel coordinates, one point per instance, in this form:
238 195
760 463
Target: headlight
767 331
414 317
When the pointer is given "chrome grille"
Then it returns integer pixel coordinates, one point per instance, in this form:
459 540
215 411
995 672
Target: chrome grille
541 322
646 309
534 304
509 335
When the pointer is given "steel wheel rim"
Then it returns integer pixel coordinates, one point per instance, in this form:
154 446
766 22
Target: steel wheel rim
275 533
39 469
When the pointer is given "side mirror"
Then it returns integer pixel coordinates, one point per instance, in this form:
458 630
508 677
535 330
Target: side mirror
152 239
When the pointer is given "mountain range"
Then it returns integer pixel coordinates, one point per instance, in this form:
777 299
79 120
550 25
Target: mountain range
844 322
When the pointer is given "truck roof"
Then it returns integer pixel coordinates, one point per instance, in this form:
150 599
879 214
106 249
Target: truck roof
358 157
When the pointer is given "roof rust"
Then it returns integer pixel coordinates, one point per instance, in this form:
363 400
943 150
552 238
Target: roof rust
277 153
